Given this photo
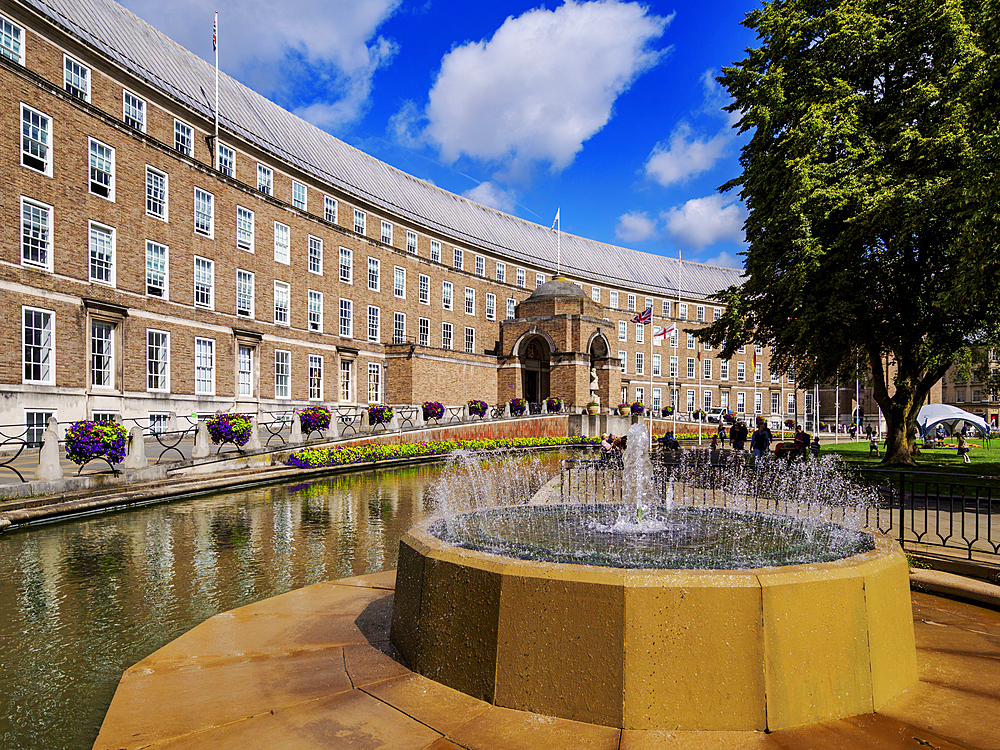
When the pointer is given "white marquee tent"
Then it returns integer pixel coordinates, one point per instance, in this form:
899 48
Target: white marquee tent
951 417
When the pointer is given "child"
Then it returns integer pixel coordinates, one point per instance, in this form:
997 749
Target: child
963 448
814 446
873 447
715 442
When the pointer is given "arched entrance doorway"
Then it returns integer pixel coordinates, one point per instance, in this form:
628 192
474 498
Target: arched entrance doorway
535 370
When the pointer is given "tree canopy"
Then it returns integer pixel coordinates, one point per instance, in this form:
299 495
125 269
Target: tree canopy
871 190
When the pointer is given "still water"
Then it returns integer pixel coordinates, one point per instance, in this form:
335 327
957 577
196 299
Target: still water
83 600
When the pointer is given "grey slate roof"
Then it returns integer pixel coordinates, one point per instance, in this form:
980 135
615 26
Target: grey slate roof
150 55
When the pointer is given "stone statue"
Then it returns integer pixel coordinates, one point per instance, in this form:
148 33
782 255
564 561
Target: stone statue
593 385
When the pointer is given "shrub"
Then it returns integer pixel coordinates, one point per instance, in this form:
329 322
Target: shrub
554 404
638 408
86 440
518 406
477 408
433 410
230 428
314 418
379 414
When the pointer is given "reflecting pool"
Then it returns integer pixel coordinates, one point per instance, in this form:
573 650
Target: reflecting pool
83 600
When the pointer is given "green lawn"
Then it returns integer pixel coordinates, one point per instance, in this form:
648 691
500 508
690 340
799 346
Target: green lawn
985 460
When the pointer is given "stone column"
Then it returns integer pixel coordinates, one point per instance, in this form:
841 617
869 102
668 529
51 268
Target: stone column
136 457
296 437
202 441
49 468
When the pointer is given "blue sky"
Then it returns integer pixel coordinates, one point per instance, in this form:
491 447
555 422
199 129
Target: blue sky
606 109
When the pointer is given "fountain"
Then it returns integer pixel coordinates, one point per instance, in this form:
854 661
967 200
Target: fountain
656 612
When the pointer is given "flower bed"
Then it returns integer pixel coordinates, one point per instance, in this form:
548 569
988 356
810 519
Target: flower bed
517 406
477 408
230 428
314 419
312 458
553 404
87 440
433 410
379 414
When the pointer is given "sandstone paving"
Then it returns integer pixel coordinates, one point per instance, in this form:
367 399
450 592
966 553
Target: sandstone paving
428 702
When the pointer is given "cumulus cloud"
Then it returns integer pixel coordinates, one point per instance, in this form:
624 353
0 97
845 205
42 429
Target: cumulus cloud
542 85
635 226
727 260
316 57
492 195
704 221
685 156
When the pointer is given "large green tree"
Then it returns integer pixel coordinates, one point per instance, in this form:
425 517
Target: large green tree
870 183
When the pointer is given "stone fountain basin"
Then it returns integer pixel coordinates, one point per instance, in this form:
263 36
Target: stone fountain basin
760 649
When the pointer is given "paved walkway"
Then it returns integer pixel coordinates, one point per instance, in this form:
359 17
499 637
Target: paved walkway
314 668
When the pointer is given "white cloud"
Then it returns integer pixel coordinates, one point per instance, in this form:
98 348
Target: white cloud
545 83
704 221
316 56
635 226
685 156
492 195
727 260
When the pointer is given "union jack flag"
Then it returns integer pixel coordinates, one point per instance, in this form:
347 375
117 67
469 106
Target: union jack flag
644 318
215 33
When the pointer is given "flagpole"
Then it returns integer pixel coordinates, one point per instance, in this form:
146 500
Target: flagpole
652 335
557 225
215 44
676 338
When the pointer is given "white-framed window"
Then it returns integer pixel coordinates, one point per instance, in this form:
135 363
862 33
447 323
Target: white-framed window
791 374
775 376
613 300
424 331
411 242
346 320
282 374
315 377
76 78
133 111
640 363
244 293
511 308
457 257
724 369
156 193
631 303
690 341
447 301
640 333
374 274
11 40
706 402
758 403
299 195
315 255
491 306
157 360
399 328
315 311
657 400
470 340
424 289
227 160
624 394
640 394
717 313
204 213
204 366
446 331
791 403
758 349
673 367
374 383
374 324
282 296
622 330
399 282
706 369
244 229
386 232
501 272
183 138
539 279
699 313
360 221
758 372
775 403
623 360
102 254
519 275
36 140
595 294
470 301
330 209
102 169
346 380
682 310
265 179
282 243
38 345
204 282
691 373
156 269
649 304
724 399
666 308
741 371
36 234
673 339
742 349
741 402
435 251
244 369
657 360
346 265
480 265
102 354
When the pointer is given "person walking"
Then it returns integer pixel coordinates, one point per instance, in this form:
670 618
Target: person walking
963 448
801 442
760 441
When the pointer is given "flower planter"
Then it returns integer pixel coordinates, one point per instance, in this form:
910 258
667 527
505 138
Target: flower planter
624 410
314 419
593 409
230 428
87 440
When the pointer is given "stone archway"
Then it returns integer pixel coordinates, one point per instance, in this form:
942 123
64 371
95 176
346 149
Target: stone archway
535 357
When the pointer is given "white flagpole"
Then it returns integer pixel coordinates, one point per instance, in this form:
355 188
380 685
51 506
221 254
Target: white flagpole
652 334
215 44
557 225
677 337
